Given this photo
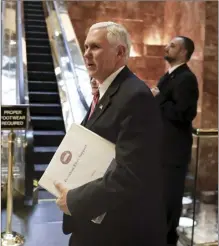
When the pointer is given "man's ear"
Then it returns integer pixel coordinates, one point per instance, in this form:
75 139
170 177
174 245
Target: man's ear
184 52
121 51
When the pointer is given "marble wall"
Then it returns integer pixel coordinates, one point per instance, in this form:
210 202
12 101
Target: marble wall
210 75
208 166
152 24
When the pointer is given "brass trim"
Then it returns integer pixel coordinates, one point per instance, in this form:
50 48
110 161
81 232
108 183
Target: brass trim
205 131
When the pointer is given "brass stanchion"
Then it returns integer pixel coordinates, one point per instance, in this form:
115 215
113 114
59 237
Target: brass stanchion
10 237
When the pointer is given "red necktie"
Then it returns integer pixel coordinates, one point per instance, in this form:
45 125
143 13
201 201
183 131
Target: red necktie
94 102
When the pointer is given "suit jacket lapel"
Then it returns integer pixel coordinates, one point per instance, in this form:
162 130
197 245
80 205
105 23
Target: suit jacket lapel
84 122
162 80
167 82
105 101
168 77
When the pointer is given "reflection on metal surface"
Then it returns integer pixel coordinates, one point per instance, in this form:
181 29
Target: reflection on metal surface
22 92
9 53
70 69
12 66
205 132
64 18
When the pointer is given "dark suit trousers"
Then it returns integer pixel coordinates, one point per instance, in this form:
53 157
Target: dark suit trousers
174 180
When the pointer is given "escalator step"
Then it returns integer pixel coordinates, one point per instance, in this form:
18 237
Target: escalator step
45 109
45 149
34 22
48 138
43 97
40 167
49 133
39 170
38 48
37 41
42 86
33 3
40 28
33 10
31 16
40 66
36 75
37 34
39 57
47 123
44 154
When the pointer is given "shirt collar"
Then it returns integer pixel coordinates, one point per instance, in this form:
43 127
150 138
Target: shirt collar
175 67
107 82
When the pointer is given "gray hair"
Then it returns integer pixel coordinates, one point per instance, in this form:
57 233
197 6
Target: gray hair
116 33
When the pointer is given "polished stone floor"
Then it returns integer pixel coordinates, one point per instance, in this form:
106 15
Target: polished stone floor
41 224
206 229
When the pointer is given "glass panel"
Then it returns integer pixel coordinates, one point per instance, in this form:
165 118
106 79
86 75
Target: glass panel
73 79
76 55
11 94
9 53
199 220
19 162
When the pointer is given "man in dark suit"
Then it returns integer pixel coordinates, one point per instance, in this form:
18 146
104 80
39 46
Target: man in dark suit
177 94
125 207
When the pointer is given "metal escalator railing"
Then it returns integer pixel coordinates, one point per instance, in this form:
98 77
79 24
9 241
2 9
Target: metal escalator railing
72 76
82 78
81 95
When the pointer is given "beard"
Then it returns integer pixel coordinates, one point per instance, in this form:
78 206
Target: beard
169 59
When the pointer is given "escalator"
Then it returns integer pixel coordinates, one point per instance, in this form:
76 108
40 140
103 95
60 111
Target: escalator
45 106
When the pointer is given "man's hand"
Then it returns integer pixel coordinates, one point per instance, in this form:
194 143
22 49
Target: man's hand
62 200
155 91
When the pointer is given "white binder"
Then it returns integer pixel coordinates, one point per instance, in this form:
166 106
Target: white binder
82 156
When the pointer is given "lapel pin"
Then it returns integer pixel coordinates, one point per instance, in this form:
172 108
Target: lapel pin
101 106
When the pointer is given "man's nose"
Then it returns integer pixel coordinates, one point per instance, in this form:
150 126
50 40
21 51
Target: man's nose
166 48
87 53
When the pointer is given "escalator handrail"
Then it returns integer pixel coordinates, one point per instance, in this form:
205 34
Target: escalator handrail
29 167
82 98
